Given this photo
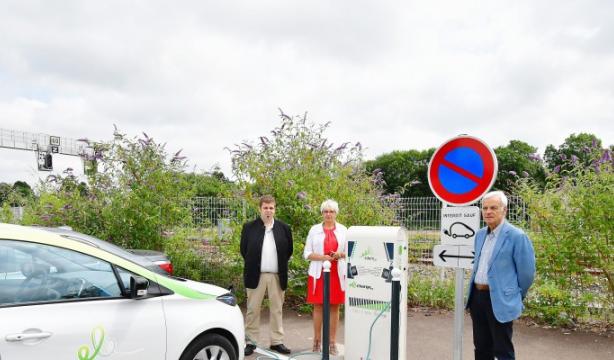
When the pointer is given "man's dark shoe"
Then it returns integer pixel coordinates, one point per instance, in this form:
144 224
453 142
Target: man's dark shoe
249 349
281 348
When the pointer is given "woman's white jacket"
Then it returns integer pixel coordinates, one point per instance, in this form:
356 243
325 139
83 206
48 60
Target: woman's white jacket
315 244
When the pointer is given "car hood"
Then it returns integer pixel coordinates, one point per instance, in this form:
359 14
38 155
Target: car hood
203 288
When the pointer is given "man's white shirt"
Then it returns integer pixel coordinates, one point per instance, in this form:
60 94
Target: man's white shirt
269 251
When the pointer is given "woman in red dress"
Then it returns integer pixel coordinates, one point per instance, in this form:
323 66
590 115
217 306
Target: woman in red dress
326 242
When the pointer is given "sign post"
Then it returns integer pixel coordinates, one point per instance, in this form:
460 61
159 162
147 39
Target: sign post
460 172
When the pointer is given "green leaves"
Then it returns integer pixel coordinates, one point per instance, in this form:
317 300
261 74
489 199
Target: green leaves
135 193
571 222
298 165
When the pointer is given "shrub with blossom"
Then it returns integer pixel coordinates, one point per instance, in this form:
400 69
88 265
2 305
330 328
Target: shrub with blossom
300 167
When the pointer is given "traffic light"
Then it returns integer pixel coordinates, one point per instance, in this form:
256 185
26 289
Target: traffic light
47 163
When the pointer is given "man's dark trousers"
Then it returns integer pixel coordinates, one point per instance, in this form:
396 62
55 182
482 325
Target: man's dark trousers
490 337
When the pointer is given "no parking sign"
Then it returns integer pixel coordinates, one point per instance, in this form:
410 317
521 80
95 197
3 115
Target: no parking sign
462 170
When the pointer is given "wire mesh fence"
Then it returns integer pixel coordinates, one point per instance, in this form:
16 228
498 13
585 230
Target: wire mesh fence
420 215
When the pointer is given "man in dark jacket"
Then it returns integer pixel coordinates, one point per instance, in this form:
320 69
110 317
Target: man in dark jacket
266 247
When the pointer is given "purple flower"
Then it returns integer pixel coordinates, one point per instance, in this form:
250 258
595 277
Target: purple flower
563 157
341 147
556 169
415 182
85 140
307 207
534 157
525 174
574 159
45 217
606 157
513 173
290 183
301 195
597 168
178 158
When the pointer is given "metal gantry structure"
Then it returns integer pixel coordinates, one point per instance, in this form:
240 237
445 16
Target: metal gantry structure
43 145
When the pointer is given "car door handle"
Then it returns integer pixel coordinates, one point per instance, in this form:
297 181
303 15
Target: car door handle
27 336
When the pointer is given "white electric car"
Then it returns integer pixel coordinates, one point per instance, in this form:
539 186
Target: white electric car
61 298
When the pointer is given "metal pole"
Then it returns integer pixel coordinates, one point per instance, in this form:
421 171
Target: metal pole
326 312
394 314
459 314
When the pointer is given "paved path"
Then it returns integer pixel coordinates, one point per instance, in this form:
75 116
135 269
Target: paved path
429 337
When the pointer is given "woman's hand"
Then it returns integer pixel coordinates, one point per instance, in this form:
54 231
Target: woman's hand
336 255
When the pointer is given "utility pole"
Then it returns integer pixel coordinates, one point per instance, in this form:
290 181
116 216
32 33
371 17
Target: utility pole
43 145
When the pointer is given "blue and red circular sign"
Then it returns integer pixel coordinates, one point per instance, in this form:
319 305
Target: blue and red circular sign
462 170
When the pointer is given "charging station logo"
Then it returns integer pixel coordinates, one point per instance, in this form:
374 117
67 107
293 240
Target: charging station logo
355 285
366 255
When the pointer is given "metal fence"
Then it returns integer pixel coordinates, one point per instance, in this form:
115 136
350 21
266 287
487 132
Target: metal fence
420 215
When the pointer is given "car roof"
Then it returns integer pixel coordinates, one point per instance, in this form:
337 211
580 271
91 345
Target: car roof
68 239
68 233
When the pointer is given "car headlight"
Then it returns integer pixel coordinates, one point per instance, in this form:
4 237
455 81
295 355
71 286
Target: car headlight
228 299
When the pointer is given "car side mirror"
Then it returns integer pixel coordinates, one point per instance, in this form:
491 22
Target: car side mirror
138 287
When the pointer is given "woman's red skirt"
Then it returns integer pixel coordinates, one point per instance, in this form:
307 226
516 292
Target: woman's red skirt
337 295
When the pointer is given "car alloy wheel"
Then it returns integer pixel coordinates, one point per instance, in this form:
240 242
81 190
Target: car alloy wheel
212 352
209 347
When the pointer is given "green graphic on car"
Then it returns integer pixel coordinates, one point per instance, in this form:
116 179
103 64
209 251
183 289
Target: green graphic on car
97 338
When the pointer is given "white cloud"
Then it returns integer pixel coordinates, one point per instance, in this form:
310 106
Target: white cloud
204 75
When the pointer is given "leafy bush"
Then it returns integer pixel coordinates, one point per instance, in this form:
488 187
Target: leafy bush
134 195
184 256
300 168
425 288
571 228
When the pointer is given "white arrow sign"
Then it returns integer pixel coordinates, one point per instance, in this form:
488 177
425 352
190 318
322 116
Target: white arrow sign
453 256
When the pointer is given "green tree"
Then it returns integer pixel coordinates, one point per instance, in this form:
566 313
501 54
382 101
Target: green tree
212 184
580 149
15 195
518 160
403 172
23 189
5 191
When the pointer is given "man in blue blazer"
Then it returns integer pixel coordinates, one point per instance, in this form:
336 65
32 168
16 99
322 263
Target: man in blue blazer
503 271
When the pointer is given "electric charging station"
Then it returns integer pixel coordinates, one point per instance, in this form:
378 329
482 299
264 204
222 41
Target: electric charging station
373 252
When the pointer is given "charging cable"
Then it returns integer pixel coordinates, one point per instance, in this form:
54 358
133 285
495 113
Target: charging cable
371 329
273 356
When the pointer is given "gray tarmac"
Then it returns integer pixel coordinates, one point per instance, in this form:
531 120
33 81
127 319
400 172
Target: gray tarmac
430 333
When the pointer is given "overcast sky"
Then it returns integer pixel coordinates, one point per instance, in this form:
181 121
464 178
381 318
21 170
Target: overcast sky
394 75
